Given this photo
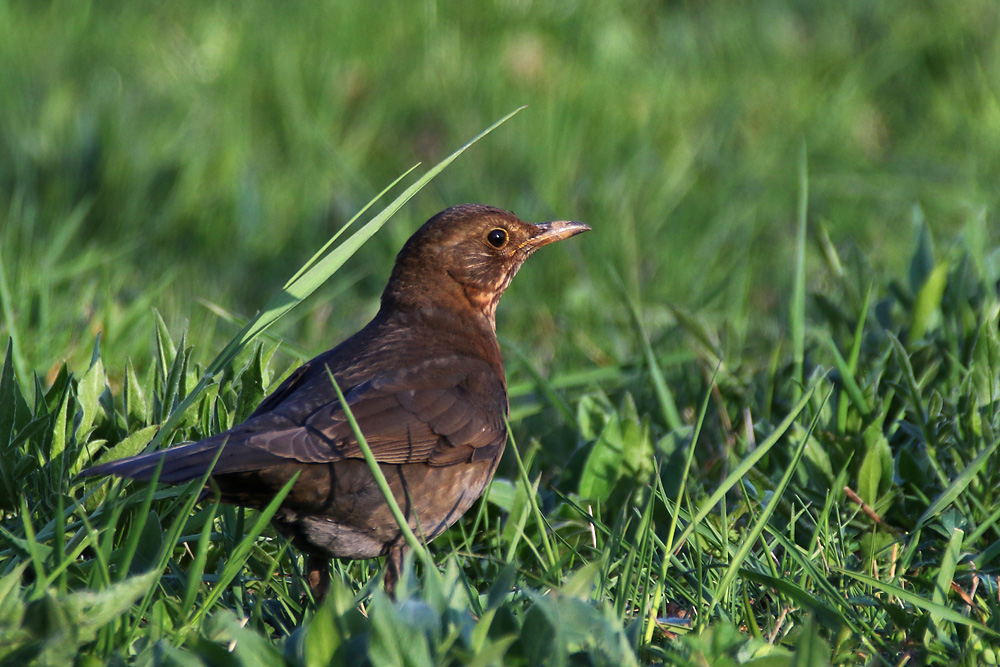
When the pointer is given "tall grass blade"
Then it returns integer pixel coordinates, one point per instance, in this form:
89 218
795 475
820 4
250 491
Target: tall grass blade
890 591
750 538
747 464
412 542
235 562
305 281
797 311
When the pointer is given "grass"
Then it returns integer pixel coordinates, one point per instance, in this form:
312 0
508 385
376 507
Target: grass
754 413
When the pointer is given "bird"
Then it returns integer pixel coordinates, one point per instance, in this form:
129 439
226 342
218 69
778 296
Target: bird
425 381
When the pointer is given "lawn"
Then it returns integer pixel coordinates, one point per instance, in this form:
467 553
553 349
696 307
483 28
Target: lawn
754 412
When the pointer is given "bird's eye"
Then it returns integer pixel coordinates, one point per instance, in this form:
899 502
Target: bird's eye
497 237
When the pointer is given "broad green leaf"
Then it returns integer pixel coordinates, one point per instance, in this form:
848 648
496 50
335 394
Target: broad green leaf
89 391
810 649
876 466
57 443
393 640
253 384
247 648
928 302
322 637
593 411
985 366
563 624
136 411
13 408
603 466
93 610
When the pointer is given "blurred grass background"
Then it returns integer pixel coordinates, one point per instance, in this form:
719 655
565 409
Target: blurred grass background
162 154
186 157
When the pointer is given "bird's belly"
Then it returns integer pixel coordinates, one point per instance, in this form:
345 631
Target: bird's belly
338 510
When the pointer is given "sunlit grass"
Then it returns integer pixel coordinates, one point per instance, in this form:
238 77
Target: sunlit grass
788 307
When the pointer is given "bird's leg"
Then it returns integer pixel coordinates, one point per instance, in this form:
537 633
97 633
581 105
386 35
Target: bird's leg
393 568
318 576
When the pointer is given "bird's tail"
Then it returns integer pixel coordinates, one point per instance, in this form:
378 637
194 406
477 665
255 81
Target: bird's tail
180 464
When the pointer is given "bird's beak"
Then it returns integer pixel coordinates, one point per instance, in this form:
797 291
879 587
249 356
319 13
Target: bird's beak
550 232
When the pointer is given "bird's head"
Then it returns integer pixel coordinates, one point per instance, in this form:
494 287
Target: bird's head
469 252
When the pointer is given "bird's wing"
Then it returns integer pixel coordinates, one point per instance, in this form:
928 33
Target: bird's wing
288 387
430 413
424 414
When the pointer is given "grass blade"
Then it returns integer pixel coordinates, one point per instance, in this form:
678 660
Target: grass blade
797 314
750 537
306 280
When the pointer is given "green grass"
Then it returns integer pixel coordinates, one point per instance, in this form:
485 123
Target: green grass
790 289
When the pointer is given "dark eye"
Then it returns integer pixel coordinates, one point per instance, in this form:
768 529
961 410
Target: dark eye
497 237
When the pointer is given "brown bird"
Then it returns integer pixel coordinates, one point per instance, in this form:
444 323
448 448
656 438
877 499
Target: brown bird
425 382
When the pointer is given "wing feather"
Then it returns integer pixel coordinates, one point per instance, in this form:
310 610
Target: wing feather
427 413
419 415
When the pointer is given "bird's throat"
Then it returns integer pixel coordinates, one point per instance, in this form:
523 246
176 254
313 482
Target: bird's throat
485 304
